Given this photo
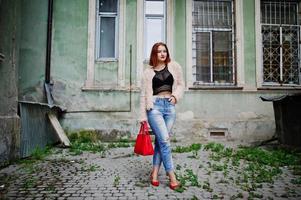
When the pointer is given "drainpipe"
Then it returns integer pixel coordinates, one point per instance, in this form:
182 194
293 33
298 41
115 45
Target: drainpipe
48 84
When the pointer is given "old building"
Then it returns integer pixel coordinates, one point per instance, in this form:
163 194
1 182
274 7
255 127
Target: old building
231 51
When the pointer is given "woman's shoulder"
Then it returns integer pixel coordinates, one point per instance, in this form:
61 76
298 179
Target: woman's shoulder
174 64
148 71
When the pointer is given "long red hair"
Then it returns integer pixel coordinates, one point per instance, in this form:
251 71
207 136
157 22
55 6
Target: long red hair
153 61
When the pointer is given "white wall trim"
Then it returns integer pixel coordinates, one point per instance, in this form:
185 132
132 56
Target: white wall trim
240 59
170 26
91 43
189 81
258 39
121 43
140 34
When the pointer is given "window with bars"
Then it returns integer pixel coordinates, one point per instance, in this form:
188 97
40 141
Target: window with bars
106 29
280 29
154 24
213 42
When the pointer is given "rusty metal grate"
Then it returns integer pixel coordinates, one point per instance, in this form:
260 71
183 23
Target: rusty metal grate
213 42
280 42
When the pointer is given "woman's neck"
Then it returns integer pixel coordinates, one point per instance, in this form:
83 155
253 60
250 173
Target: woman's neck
160 66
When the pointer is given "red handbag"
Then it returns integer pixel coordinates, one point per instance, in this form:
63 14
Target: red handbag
144 144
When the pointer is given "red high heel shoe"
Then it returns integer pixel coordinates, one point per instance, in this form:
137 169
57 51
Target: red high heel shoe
174 187
154 183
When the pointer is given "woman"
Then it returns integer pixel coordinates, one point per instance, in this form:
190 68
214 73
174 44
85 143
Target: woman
162 87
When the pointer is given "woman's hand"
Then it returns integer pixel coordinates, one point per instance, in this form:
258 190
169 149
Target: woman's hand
142 122
173 100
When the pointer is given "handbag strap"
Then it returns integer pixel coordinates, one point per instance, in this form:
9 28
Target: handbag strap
144 128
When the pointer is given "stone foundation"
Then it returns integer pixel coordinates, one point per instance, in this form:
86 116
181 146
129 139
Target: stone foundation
9 138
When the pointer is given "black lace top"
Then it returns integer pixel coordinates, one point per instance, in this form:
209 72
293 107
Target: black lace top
162 81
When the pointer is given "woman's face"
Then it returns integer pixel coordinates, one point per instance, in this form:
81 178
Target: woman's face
161 53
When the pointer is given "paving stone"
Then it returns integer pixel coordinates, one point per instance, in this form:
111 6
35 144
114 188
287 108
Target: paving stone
121 177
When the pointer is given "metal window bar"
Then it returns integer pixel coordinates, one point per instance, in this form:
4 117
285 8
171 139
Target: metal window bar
211 57
210 17
281 56
280 42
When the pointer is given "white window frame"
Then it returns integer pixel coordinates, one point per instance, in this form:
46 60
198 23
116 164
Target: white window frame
238 34
169 28
259 53
154 16
91 49
99 16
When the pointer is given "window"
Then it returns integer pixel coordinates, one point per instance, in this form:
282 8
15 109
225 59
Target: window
106 29
106 41
280 31
213 42
154 24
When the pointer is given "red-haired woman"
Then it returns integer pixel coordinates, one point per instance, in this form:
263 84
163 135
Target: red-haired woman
161 88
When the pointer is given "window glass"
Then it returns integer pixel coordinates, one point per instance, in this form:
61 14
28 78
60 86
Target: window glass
202 57
222 57
154 7
212 14
212 42
107 5
154 26
153 35
280 44
106 33
275 12
107 37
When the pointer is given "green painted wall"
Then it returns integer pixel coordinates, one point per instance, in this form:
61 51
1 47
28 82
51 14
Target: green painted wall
180 33
9 47
249 42
131 40
9 39
69 46
69 63
33 33
106 73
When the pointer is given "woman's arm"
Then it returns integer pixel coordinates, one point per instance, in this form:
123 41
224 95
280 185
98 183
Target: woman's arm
142 100
179 90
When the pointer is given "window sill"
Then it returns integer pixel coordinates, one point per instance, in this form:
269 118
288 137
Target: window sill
280 87
215 88
106 60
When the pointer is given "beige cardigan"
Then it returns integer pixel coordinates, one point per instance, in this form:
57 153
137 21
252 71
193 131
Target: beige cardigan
146 100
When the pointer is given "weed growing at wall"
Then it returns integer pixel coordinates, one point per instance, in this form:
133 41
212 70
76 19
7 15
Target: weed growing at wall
89 141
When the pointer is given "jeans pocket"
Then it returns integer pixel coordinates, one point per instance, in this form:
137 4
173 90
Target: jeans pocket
170 103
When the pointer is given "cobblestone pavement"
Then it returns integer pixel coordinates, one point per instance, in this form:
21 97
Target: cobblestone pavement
119 174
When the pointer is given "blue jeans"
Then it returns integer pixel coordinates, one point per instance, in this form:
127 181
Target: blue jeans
161 119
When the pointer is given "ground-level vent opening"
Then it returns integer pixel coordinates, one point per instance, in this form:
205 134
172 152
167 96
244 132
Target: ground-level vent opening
218 133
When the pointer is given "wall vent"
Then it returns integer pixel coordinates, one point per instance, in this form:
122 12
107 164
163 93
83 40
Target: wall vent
218 133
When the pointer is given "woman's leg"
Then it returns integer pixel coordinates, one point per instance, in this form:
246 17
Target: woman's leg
157 123
169 118
156 161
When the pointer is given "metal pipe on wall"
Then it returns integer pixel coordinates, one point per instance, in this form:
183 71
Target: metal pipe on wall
48 85
49 38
